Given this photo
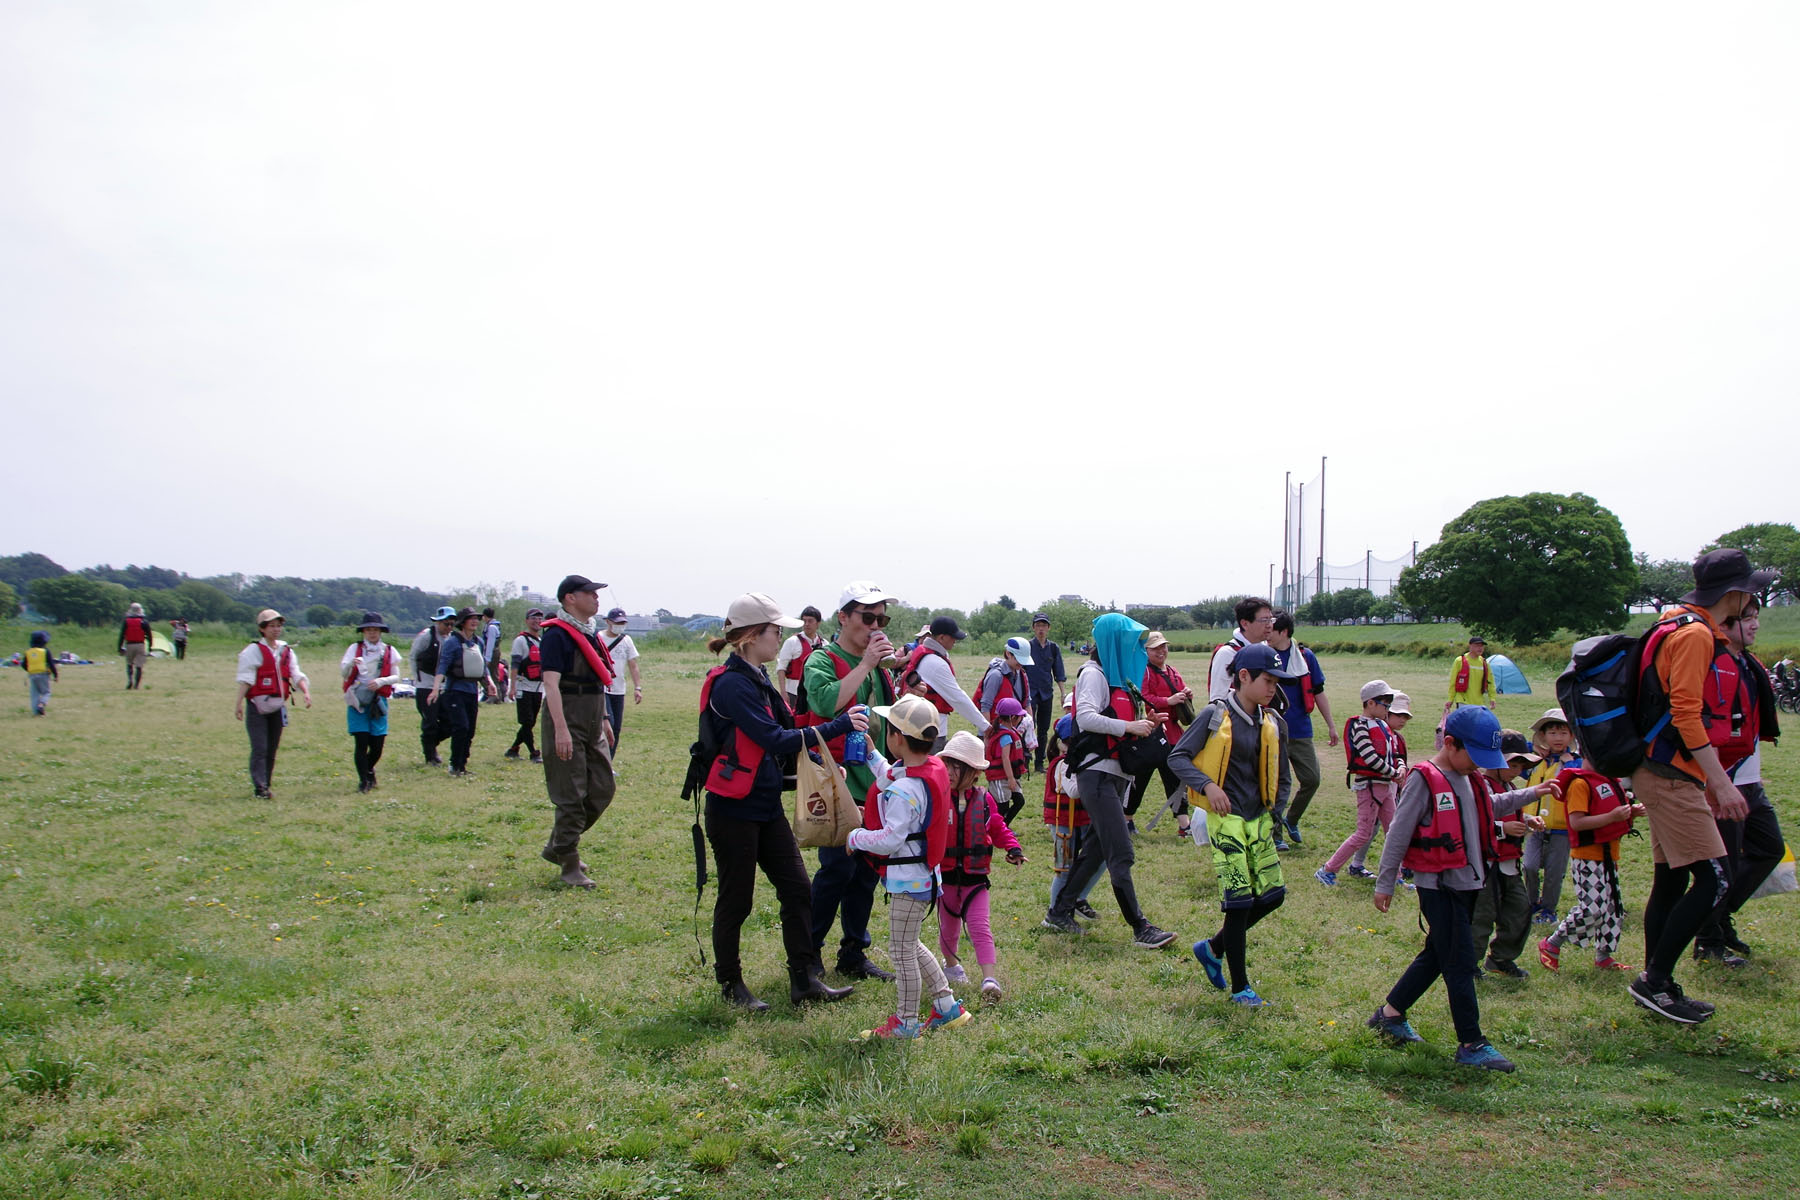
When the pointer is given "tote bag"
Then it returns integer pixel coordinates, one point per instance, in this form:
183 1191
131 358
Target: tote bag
824 810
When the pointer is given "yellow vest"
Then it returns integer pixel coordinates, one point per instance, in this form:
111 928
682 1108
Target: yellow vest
37 661
1215 757
1555 812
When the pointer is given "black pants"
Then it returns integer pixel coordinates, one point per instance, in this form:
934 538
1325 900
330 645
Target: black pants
1040 717
1170 786
526 707
432 728
739 848
1755 848
615 712
1108 845
1682 900
265 740
180 651
367 753
461 711
1232 939
844 885
1450 953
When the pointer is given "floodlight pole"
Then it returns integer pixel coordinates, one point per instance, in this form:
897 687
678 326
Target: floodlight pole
1321 584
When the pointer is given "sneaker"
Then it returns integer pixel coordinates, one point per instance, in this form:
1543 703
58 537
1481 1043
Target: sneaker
958 1015
1397 1030
1701 1005
1215 970
1542 916
1609 963
434 761
956 974
513 753
465 773
537 758
1550 956
1249 999
1328 878
1736 944
1181 831
1665 1002
1484 1056
1720 955
894 1027
1281 844
1061 923
1293 828
1152 938
1084 909
1507 967
1358 871
865 970
990 990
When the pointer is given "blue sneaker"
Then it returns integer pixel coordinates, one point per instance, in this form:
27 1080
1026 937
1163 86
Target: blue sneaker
1328 878
1358 871
1215 970
1249 999
1484 1056
1396 1029
958 1015
1293 828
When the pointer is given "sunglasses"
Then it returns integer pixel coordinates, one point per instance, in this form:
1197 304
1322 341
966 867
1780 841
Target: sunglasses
878 620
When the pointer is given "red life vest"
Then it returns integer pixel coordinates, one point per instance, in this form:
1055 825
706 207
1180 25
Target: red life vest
534 658
797 665
912 664
733 770
842 667
1016 752
1058 808
1308 700
1119 704
1604 795
387 668
1437 844
1729 709
1462 676
1385 742
272 678
1160 685
931 841
971 849
136 630
1006 690
591 649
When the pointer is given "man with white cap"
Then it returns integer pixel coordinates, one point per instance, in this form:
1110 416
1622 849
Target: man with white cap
848 670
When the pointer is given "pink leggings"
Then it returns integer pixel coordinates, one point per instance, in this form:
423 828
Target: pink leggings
1373 803
972 903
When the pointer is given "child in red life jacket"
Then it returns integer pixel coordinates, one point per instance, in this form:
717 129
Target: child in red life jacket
1063 813
1444 828
1599 814
908 823
976 829
1005 750
1501 922
1371 754
1398 714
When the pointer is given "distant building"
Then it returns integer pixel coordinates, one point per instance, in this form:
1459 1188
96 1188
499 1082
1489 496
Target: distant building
701 624
639 623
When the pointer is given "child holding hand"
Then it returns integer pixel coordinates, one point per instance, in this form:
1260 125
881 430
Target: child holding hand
976 829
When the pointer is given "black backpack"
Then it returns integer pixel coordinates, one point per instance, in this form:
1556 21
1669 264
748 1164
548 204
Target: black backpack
1614 711
428 660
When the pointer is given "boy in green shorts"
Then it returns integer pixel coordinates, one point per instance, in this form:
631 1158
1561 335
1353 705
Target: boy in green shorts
1235 758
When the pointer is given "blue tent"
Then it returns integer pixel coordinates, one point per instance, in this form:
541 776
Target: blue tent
1508 679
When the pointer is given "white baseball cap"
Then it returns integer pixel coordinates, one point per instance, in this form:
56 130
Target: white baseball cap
861 591
1021 650
757 608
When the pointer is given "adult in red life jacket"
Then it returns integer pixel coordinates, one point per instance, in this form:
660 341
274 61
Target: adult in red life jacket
749 722
527 684
1106 716
928 667
1754 846
267 674
578 770
368 670
790 664
1444 830
1168 696
134 644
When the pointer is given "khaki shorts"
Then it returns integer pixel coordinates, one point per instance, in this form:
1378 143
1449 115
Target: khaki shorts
136 653
1682 829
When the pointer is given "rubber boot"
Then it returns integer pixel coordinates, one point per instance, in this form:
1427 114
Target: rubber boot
806 986
737 994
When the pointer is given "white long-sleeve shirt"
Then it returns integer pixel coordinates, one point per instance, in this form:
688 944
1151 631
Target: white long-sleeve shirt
1093 713
250 661
935 670
903 802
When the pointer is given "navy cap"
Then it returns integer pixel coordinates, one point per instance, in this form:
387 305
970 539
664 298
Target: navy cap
1258 657
576 583
617 614
1479 732
947 625
1044 617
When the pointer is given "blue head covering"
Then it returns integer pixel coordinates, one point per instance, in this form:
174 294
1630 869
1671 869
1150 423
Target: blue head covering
1120 641
40 638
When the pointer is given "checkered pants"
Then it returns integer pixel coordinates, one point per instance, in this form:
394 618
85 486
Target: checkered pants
1596 919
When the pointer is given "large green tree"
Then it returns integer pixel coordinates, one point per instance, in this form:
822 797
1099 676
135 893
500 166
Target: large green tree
1520 568
79 600
1776 547
1663 581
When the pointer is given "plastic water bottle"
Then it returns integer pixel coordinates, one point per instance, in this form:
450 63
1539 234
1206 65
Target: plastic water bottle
856 747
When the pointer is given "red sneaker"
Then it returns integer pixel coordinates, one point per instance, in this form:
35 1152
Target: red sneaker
1609 963
1549 955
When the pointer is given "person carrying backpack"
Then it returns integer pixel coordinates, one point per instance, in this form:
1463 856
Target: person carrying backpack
461 674
527 684
426 644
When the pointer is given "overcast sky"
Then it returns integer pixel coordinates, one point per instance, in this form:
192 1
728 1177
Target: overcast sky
964 298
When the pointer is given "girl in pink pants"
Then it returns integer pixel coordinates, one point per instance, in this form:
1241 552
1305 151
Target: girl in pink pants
1374 805
976 829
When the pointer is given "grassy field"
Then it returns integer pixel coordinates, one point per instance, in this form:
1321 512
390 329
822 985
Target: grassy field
336 995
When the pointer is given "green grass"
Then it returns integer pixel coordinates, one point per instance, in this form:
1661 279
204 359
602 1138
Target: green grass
339 995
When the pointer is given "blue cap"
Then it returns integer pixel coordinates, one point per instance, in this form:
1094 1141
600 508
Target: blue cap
1258 657
1479 732
445 613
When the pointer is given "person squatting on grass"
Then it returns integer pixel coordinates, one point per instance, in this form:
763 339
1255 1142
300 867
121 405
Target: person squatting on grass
1501 922
40 669
908 824
1372 757
976 828
1754 845
1106 718
1444 829
746 825
267 674
1547 850
368 671
578 772
1235 757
